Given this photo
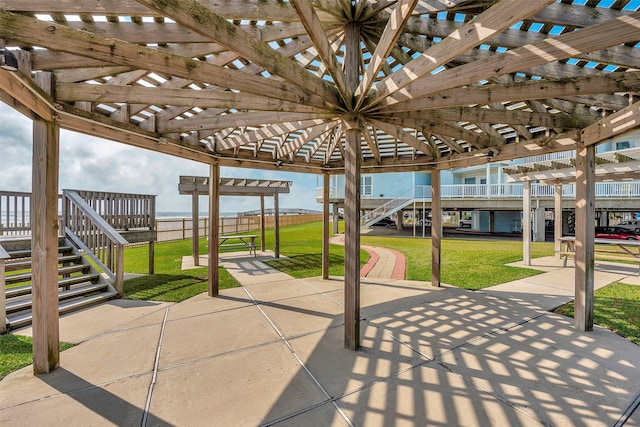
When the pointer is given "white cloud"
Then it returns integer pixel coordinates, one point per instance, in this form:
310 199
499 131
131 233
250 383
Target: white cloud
90 163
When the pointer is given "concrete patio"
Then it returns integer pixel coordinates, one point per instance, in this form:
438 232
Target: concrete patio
271 353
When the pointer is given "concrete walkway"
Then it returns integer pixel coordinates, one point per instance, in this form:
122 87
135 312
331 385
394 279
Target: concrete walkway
271 353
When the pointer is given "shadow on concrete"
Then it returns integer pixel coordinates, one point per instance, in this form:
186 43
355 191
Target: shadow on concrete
106 406
467 358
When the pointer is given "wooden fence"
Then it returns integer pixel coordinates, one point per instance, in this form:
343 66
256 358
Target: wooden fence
169 229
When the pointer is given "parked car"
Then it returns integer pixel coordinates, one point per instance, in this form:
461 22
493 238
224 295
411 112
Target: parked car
617 233
632 224
384 222
426 222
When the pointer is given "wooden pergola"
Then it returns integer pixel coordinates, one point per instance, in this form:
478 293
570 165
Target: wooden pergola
323 87
200 186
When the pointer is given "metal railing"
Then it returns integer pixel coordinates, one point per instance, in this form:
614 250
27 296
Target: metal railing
419 192
549 157
285 211
513 190
95 236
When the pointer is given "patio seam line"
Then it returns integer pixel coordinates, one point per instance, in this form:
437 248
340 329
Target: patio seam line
154 377
215 356
323 293
114 330
302 364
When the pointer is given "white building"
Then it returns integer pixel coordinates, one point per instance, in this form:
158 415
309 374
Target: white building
491 196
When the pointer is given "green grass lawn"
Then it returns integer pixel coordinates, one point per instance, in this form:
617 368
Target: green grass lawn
615 307
469 264
302 246
16 352
169 283
466 263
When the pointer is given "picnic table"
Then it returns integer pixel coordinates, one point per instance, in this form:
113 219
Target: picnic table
244 241
612 249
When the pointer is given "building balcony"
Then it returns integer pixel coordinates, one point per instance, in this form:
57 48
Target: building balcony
622 190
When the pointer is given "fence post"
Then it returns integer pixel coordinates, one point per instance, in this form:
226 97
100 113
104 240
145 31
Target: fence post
3 307
119 270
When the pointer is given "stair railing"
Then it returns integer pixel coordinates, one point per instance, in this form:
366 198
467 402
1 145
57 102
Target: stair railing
3 303
91 233
388 208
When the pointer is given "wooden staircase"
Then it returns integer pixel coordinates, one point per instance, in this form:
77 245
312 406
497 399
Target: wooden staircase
80 284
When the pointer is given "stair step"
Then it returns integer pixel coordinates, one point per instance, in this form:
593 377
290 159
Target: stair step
67 281
24 318
25 303
23 277
26 253
23 253
25 265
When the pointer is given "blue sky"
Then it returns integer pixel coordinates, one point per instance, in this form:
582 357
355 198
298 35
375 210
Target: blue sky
89 163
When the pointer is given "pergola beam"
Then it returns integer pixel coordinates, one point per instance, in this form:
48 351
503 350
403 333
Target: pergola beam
488 115
490 22
74 92
611 126
59 37
524 91
385 45
593 38
222 121
216 28
320 40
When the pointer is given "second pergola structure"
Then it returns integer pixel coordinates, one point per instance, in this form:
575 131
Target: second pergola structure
201 186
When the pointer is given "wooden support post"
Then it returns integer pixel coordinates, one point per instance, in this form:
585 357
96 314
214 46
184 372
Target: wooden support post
195 220
276 225
557 219
353 160
44 244
214 226
526 223
585 218
152 244
436 227
263 244
325 226
352 241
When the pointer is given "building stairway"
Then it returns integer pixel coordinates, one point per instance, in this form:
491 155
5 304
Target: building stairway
80 284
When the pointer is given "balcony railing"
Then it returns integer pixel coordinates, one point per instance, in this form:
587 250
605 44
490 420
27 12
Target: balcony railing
507 191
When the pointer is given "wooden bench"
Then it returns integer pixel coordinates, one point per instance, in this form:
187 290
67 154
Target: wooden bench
240 242
605 249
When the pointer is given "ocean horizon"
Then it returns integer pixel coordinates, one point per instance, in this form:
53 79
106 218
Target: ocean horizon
187 214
